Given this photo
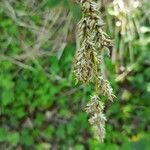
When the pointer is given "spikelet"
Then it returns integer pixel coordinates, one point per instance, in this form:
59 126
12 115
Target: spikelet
97 119
106 89
91 9
83 65
91 37
98 123
94 106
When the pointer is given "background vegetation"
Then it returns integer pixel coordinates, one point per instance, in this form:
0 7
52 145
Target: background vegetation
41 108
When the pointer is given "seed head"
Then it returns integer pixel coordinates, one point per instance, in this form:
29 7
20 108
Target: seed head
97 119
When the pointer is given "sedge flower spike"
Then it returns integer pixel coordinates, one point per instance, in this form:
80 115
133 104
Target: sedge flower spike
92 41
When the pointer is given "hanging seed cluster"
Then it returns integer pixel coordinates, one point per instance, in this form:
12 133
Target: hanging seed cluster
88 61
97 119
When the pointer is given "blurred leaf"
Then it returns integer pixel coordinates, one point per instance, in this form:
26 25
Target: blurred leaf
26 138
13 138
53 3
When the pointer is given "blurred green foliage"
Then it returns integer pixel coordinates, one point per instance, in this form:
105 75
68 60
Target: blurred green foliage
42 108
